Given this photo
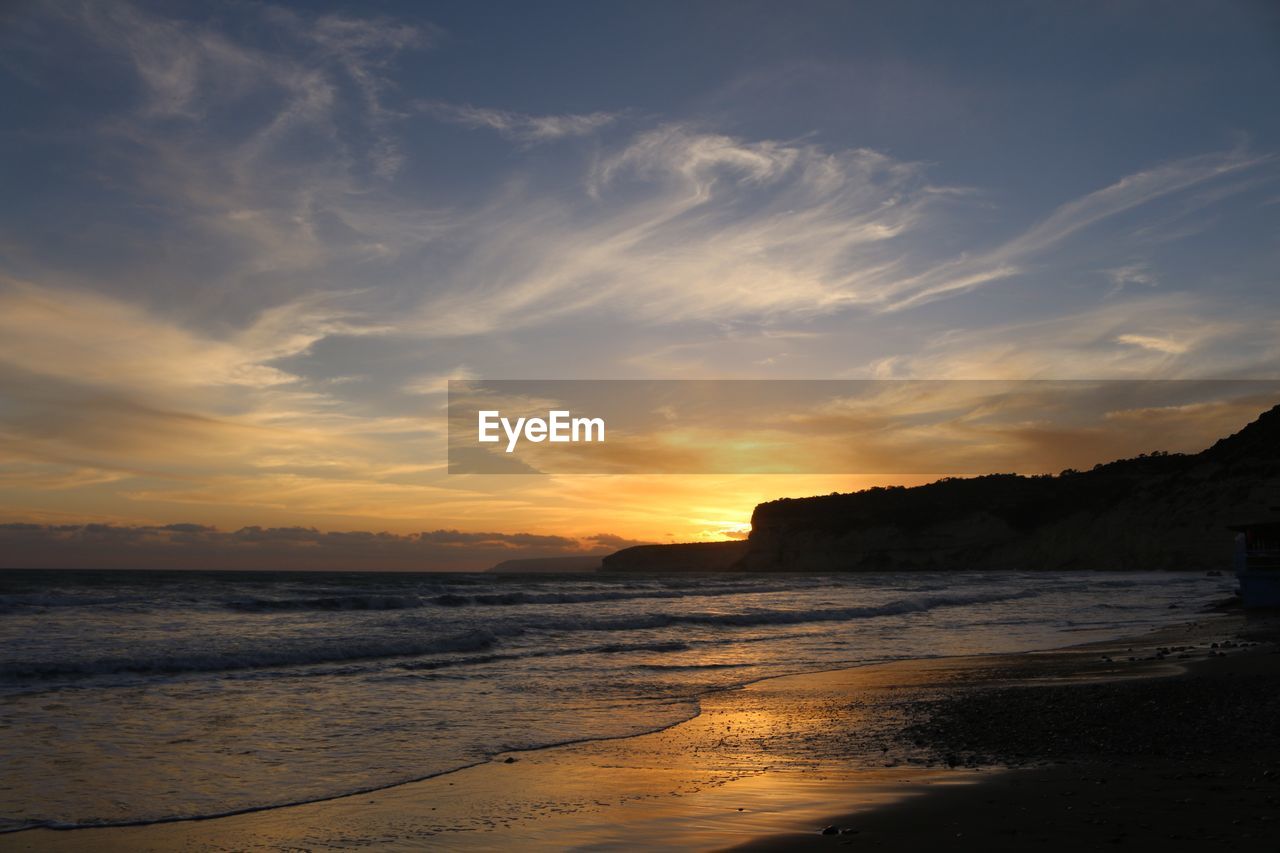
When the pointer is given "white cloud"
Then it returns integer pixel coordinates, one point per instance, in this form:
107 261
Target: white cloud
1135 273
1171 336
436 384
278 157
682 225
1167 345
522 127
1011 257
677 224
89 338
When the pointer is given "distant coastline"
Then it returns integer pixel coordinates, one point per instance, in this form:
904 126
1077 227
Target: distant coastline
547 565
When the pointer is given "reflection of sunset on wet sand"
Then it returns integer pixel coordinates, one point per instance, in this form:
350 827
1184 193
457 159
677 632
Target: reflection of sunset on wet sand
755 761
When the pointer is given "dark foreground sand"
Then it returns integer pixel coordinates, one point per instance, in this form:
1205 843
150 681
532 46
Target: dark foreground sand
1106 746
1187 762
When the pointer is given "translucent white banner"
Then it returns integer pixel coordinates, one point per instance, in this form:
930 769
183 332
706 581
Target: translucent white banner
944 427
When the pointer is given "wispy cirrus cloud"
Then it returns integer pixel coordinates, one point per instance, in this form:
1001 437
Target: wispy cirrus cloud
192 70
522 127
91 338
274 157
681 224
1131 192
1147 336
1127 194
672 223
1138 273
1167 345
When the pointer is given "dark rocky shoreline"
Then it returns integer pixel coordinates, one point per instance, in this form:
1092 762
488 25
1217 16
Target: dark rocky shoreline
1175 747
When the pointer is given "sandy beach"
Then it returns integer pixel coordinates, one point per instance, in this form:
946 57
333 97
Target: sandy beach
1099 754
1167 738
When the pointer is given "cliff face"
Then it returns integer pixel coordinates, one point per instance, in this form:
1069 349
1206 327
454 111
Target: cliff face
1153 512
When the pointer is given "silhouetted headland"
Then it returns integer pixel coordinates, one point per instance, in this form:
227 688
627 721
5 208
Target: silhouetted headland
1159 512
684 557
547 565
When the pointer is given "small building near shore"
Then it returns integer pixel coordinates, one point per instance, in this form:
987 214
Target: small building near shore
1257 562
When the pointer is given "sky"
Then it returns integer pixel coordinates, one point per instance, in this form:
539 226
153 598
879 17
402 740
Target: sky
245 246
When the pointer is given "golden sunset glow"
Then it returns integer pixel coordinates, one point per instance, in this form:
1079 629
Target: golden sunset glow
276 244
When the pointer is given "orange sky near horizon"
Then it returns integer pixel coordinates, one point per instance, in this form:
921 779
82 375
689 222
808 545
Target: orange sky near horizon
245 251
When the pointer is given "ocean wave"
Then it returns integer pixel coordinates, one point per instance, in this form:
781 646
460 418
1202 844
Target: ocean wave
480 639
373 600
606 649
377 601
26 601
753 618
510 599
257 658
326 602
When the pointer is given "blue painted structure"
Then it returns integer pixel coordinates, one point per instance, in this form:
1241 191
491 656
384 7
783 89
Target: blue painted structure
1257 563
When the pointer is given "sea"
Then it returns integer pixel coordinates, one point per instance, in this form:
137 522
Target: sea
136 697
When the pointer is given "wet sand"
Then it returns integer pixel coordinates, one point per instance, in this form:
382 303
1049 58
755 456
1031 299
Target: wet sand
1185 762
1090 747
